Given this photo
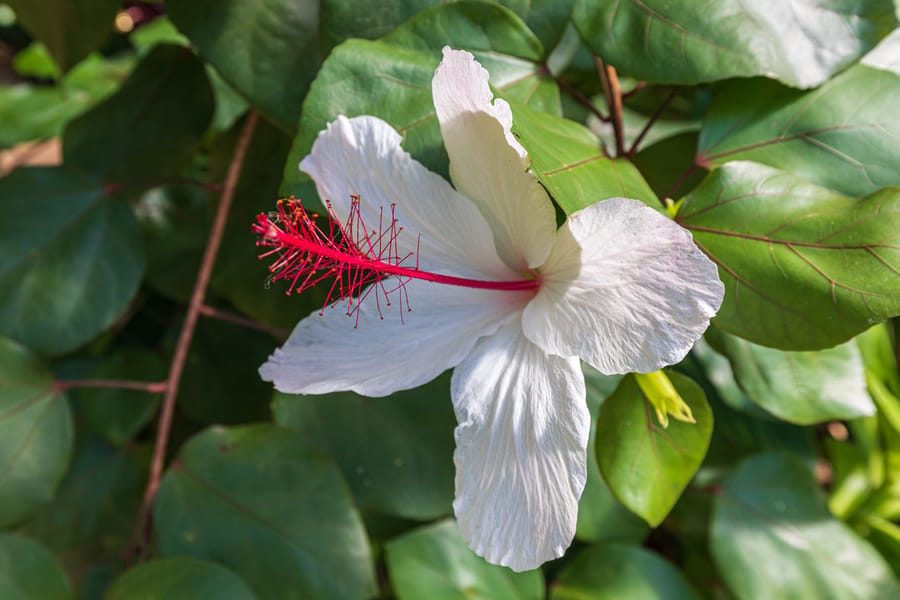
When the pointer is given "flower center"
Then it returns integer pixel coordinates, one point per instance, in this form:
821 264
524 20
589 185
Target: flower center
359 258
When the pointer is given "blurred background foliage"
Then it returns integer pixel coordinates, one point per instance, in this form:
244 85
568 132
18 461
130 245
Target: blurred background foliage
770 125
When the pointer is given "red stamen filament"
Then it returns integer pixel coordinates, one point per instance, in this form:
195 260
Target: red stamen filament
355 256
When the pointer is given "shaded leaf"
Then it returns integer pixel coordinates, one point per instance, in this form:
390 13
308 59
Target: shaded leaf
70 29
29 572
772 536
395 452
666 165
391 79
179 578
258 500
620 571
35 434
648 467
803 267
267 50
151 126
680 41
434 562
70 258
842 135
801 387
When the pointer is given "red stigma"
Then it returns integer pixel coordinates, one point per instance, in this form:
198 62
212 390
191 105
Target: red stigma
360 259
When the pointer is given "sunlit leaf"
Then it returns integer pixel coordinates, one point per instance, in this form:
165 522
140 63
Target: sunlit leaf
35 434
773 537
801 387
391 78
645 465
804 268
568 160
841 135
682 41
434 562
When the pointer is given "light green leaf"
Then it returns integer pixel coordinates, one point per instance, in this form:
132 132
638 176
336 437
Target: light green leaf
620 571
804 268
35 434
434 562
258 500
267 50
391 79
684 42
70 29
150 127
600 516
568 160
801 387
29 572
395 452
842 135
179 578
70 258
773 537
648 467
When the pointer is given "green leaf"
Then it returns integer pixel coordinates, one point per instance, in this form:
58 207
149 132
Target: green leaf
267 50
666 165
180 578
395 452
117 414
620 571
600 516
391 79
773 537
151 126
840 135
29 572
342 19
568 160
70 258
221 382
35 434
90 520
648 467
801 387
804 268
258 500
681 41
70 29
548 19
434 562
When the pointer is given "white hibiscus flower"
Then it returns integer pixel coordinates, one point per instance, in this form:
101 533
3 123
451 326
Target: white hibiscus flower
483 282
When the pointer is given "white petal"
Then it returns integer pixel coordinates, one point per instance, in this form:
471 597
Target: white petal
362 156
488 164
625 288
521 449
406 348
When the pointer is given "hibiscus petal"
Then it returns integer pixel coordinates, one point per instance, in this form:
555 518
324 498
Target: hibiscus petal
521 449
488 164
392 347
625 288
362 156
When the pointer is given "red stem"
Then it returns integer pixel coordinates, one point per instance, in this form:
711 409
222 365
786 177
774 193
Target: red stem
157 464
653 118
215 313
